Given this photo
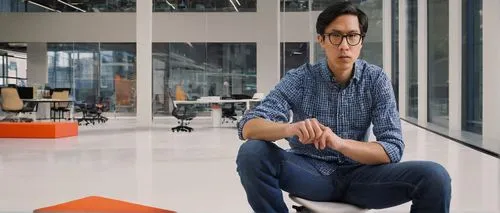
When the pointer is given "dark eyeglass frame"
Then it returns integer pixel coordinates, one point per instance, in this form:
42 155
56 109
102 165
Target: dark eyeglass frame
329 35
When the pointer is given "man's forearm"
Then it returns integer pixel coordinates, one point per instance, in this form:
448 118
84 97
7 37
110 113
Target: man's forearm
366 153
261 129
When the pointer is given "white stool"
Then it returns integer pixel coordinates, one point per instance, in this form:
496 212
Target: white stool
325 207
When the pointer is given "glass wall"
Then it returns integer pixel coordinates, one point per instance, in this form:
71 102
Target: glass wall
204 5
412 59
437 61
293 55
201 69
67 6
294 5
472 66
372 43
96 73
12 68
395 48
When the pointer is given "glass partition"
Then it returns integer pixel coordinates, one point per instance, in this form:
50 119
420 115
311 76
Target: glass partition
96 73
201 69
294 5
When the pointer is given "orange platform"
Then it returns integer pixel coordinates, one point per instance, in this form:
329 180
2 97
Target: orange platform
95 204
38 129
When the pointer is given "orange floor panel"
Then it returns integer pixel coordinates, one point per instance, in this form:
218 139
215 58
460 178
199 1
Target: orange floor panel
38 129
95 204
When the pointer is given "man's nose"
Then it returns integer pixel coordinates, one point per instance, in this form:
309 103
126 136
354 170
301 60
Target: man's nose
343 44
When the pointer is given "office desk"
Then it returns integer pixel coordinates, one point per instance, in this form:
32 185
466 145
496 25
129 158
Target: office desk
216 117
247 101
52 104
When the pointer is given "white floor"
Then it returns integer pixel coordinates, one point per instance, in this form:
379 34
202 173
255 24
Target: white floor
191 172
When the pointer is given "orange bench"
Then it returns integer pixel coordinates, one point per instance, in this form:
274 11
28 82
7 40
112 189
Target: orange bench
96 204
38 129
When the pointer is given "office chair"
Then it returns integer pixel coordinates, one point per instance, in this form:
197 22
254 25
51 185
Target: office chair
184 114
92 111
228 111
12 103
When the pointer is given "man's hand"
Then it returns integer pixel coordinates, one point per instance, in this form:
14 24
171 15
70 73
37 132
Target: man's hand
329 139
309 131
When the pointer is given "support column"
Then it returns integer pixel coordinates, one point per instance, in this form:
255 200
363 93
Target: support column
144 23
38 72
491 56
268 46
386 38
422 62
455 65
403 90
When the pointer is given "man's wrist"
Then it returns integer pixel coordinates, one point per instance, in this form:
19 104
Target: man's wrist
340 145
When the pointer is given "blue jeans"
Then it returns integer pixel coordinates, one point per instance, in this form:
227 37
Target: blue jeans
265 170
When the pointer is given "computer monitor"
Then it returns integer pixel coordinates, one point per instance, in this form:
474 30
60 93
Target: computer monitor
25 92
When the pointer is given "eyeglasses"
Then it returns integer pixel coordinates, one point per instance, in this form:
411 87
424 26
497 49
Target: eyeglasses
353 39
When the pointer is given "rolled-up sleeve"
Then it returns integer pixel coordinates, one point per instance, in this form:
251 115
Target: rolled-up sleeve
277 104
385 119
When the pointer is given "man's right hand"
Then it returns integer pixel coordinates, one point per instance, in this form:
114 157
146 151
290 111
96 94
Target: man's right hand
309 131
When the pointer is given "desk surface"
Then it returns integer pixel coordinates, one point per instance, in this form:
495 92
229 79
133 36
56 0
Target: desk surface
47 100
218 101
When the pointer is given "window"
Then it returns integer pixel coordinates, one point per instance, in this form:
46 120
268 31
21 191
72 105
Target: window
472 66
204 5
67 6
395 48
412 59
437 61
293 55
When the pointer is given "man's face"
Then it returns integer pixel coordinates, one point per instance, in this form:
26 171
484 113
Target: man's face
342 52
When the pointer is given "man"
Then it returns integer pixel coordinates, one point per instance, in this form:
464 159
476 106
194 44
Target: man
333 104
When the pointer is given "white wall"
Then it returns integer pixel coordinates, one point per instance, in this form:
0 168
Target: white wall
67 27
491 74
455 66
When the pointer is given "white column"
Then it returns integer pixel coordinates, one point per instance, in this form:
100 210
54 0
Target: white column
268 46
313 16
38 71
491 74
455 66
386 38
422 62
144 82
403 89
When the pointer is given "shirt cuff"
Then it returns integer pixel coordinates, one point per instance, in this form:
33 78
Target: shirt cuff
392 150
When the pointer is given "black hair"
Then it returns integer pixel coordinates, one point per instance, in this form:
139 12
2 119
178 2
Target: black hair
337 9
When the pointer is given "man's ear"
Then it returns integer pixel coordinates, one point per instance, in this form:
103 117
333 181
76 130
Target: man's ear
320 39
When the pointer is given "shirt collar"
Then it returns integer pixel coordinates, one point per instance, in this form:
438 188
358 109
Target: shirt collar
327 74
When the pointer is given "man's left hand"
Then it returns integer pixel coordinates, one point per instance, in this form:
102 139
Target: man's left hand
329 139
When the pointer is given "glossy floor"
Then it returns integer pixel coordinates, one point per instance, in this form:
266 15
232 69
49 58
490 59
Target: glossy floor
191 172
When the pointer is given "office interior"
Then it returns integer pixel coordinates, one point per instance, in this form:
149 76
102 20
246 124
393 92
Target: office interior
125 64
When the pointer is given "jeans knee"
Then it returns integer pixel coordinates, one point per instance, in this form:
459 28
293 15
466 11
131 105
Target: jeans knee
437 177
254 152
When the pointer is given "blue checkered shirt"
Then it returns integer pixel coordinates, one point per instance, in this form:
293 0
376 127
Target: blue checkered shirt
311 90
